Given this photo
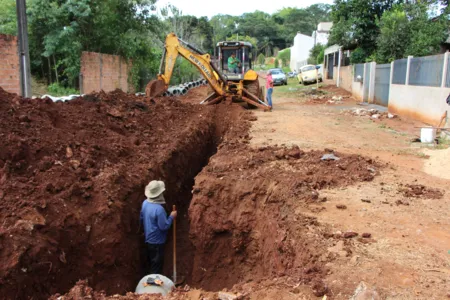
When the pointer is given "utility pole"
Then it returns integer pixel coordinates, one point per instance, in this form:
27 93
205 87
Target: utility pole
24 55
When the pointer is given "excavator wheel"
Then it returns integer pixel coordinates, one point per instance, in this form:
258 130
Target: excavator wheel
155 88
253 87
262 93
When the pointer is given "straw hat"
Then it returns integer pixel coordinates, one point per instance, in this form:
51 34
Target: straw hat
154 190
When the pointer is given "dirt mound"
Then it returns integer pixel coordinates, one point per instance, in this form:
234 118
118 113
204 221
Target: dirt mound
420 191
72 177
242 220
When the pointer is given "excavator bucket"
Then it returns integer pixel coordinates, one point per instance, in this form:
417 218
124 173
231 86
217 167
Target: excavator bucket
155 88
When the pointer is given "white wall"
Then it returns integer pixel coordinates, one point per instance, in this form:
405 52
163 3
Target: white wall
300 50
357 90
423 103
321 37
346 78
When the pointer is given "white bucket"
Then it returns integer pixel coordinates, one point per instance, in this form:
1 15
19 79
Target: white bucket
427 135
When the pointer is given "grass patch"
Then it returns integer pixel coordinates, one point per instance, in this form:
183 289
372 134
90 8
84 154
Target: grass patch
270 66
412 152
55 89
292 89
442 143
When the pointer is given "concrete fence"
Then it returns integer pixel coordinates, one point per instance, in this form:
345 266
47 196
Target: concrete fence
104 72
9 64
425 89
416 87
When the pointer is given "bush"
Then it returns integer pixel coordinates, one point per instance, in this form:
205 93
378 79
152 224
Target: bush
358 56
261 59
285 57
55 89
321 57
314 54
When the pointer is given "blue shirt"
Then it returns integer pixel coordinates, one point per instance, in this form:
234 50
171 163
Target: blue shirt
156 223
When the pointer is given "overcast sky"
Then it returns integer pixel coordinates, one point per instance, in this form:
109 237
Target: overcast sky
210 8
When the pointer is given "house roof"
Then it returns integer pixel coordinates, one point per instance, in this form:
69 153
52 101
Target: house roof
332 49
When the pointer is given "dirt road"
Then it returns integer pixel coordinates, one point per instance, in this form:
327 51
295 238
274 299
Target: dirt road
410 255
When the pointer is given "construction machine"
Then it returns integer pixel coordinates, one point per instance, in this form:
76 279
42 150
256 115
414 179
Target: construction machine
242 86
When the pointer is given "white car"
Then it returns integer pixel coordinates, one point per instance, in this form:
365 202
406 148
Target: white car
309 74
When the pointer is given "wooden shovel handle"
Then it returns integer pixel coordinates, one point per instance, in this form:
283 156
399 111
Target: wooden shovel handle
174 208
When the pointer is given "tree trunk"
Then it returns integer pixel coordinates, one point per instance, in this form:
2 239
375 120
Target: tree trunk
49 71
42 70
56 69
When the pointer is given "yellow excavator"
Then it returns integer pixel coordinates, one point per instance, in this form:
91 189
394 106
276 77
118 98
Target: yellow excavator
225 84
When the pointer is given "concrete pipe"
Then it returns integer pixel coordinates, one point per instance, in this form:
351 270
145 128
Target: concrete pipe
163 290
173 91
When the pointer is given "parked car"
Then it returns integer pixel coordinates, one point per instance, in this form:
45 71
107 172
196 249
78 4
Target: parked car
308 74
292 74
278 76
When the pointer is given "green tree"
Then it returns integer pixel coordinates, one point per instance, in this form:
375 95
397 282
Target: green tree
358 56
60 30
394 35
8 18
321 56
407 29
355 23
223 26
305 20
243 38
197 31
261 59
314 54
285 56
426 34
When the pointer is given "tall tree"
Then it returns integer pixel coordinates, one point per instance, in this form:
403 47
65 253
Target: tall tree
305 20
408 29
8 19
355 22
60 30
394 35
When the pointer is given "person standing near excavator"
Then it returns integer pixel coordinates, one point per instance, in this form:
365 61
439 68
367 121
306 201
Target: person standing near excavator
269 88
156 224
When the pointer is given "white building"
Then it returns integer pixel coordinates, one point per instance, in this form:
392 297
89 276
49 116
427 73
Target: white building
300 51
322 33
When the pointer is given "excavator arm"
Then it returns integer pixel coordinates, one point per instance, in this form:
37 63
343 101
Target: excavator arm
202 61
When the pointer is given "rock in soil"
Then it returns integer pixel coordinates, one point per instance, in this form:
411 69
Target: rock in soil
350 234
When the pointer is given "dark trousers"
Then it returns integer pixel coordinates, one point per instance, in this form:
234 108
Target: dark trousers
155 258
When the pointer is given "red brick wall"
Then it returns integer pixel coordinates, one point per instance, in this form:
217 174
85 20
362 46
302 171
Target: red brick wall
104 72
9 64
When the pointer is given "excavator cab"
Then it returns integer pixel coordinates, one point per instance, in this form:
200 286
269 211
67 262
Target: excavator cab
240 85
243 52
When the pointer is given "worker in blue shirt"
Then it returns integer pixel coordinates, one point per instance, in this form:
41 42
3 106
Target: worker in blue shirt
156 224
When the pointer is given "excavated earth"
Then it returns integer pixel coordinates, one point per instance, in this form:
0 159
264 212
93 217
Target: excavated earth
72 176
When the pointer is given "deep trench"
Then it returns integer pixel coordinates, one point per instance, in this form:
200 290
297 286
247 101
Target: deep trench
181 169
117 264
